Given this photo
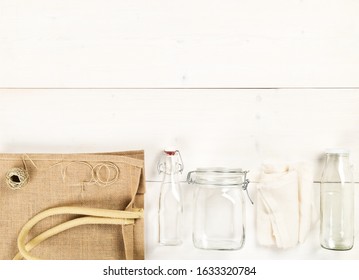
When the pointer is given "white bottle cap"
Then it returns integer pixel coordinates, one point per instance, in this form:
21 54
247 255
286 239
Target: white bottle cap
337 151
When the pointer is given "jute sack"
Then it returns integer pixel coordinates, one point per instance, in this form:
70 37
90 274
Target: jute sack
72 206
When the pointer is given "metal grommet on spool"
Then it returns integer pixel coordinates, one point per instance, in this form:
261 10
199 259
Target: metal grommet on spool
16 178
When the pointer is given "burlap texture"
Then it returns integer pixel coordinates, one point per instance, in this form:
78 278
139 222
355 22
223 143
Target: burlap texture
54 182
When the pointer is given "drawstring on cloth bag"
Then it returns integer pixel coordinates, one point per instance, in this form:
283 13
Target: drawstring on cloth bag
93 216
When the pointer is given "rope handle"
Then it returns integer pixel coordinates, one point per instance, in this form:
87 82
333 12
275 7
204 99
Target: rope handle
93 216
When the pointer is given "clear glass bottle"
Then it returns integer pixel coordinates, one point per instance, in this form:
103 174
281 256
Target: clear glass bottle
219 208
337 202
170 202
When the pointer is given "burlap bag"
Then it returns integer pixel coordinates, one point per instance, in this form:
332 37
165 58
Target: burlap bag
107 181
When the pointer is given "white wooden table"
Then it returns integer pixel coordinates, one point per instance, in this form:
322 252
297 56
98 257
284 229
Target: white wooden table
229 83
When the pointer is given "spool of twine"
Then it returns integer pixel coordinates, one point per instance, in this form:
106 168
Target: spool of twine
102 174
16 178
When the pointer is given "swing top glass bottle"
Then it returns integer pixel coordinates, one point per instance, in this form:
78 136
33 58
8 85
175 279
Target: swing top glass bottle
170 202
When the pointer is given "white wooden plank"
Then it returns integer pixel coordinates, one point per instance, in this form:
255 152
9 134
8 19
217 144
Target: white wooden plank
234 128
181 43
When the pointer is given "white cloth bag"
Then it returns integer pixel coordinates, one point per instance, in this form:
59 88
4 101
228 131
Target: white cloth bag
284 204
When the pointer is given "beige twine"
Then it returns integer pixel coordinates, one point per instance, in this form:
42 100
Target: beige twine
16 178
96 178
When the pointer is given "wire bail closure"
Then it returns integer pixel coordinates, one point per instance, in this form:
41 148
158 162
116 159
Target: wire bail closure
245 188
161 165
230 182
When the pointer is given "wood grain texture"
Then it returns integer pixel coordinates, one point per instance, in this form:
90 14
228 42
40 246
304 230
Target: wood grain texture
286 44
181 43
